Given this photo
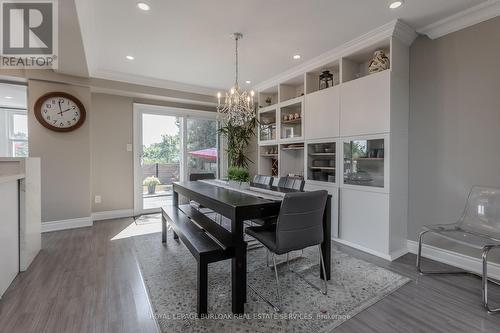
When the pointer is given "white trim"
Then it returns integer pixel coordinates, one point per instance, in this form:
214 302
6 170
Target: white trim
152 82
455 259
112 214
463 19
396 28
392 256
67 224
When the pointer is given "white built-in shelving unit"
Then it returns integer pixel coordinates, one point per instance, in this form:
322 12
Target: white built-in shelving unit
350 139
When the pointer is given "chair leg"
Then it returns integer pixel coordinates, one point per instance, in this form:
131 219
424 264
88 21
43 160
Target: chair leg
275 307
324 270
322 267
485 280
277 280
419 260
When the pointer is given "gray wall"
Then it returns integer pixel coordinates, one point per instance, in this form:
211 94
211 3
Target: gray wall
454 122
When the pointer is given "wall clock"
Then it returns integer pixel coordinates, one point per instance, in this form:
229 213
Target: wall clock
60 112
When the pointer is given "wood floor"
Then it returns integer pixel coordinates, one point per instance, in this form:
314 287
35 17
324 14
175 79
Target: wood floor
83 281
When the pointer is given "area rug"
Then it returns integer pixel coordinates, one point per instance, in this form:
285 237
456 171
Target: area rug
169 272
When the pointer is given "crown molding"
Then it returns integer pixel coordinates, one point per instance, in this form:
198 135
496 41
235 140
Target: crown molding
396 28
152 82
463 19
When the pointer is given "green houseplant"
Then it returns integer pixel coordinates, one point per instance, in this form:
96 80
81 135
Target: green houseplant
238 139
151 183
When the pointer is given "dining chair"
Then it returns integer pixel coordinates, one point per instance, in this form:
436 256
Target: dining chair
299 225
262 180
478 227
293 183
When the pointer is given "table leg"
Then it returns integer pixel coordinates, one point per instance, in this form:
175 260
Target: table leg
326 246
238 268
175 203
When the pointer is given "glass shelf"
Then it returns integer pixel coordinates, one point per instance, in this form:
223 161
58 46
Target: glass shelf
364 162
321 162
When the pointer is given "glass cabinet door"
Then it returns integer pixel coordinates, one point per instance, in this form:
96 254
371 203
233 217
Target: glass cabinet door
321 159
364 162
268 126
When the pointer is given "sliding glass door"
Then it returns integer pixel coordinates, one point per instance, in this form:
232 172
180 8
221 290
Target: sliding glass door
169 145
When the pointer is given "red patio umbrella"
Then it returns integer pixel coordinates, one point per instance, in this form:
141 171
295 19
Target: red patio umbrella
207 154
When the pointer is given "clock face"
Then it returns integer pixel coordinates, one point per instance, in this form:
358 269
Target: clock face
60 112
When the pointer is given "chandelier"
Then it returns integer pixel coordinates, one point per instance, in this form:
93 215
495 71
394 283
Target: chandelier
238 106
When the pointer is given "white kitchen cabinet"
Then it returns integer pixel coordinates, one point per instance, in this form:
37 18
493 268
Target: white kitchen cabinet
322 113
365 105
9 231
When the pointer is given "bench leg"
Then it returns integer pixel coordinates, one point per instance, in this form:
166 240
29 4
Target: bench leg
175 235
163 229
202 297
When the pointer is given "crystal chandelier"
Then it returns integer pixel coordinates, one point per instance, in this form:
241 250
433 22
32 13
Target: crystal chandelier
238 106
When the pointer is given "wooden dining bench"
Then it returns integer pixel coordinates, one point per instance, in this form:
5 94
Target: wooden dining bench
207 241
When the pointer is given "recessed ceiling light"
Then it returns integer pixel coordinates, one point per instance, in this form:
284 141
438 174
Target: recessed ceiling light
8 97
396 4
130 57
248 81
296 57
143 6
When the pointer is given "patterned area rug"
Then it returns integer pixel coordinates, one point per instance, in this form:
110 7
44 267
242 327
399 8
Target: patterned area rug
170 276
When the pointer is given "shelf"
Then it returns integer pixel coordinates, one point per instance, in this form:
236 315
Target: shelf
268 108
322 168
322 154
293 148
368 159
293 121
269 155
268 124
292 101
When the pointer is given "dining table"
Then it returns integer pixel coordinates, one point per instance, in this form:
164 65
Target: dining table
239 205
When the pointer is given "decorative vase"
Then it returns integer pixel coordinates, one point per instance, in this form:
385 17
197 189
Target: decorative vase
379 63
151 189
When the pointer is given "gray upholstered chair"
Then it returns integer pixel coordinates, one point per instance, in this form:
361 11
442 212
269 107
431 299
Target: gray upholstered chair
478 227
262 180
293 183
298 226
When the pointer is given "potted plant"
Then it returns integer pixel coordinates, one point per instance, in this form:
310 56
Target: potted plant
151 183
238 139
238 177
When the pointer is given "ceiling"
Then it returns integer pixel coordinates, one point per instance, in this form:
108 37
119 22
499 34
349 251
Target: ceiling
189 41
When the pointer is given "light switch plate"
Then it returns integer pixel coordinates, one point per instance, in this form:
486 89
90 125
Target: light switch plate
129 147
98 199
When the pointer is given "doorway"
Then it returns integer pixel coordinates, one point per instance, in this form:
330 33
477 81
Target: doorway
169 145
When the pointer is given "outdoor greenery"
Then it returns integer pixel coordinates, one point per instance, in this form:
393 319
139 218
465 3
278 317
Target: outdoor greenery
238 174
201 134
238 139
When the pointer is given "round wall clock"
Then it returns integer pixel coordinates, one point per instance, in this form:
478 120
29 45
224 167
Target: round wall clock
60 112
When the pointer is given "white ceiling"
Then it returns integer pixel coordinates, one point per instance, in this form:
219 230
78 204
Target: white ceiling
189 41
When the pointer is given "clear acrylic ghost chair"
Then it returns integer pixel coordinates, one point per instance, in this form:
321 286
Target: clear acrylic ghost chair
478 227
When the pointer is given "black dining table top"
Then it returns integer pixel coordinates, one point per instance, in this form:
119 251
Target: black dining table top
221 194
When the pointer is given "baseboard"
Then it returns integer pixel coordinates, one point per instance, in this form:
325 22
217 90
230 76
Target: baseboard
112 214
392 256
67 224
455 259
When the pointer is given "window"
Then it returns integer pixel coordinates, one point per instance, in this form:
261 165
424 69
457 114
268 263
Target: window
14 133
